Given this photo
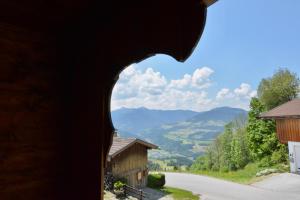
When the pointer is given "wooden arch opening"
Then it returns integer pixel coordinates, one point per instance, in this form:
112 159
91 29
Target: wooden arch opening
59 62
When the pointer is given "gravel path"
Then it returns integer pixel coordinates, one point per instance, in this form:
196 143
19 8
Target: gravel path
216 189
111 196
153 195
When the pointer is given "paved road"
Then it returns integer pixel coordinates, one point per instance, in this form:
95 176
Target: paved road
215 189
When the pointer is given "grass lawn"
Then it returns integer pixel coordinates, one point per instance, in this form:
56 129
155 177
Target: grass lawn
179 194
244 176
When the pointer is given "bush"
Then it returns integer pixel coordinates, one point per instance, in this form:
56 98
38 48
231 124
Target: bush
118 185
283 167
280 156
265 162
199 164
224 169
156 180
121 179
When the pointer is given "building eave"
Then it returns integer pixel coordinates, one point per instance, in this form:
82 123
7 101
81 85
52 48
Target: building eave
280 117
209 2
136 141
290 109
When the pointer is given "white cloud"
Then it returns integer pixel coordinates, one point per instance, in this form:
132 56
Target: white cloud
201 77
133 83
245 91
181 83
224 93
253 93
149 88
238 97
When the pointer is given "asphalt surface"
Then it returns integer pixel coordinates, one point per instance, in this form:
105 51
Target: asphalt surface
279 187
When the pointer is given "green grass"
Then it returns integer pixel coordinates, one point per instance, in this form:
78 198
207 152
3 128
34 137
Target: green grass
244 176
179 194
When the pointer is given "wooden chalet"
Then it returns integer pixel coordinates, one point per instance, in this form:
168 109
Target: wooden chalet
287 117
128 159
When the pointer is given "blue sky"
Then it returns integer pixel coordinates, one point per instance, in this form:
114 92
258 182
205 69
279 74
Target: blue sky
243 42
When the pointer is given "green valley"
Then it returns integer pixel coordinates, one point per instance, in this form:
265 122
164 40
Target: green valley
180 141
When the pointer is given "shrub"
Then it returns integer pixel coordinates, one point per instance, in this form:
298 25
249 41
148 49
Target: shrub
224 169
199 164
215 167
280 156
265 162
121 179
276 157
283 167
156 180
118 185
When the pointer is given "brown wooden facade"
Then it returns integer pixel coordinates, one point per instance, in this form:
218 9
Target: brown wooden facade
288 129
131 164
287 117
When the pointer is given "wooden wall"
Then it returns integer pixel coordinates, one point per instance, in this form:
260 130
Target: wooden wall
129 163
288 130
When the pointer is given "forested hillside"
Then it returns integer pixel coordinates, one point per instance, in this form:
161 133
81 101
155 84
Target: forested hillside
253 140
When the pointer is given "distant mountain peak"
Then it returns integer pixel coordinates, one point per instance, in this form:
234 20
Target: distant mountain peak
224 113
126 108
142 108
227 108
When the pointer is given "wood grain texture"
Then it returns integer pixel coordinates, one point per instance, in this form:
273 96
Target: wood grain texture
59 61
130 162
288 130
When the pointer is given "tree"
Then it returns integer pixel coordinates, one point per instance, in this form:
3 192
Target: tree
229 151
226 139
261 135
200 164
154 166
283 86
239 150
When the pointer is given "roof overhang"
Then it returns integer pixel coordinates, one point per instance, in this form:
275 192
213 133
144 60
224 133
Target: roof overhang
136 141
209 2
147 144
288 110
279 117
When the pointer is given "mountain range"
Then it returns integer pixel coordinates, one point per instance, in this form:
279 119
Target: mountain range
178 133
135 120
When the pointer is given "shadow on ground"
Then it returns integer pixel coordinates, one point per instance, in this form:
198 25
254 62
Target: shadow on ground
152 194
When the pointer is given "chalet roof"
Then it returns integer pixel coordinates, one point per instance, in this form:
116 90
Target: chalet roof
120 144
289 109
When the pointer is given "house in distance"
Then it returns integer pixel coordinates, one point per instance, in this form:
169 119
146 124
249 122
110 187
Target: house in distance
128 159
287 117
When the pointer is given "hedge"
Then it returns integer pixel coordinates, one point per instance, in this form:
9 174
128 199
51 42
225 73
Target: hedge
156 180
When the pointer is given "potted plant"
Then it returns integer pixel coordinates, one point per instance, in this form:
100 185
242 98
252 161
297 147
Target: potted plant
119 188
